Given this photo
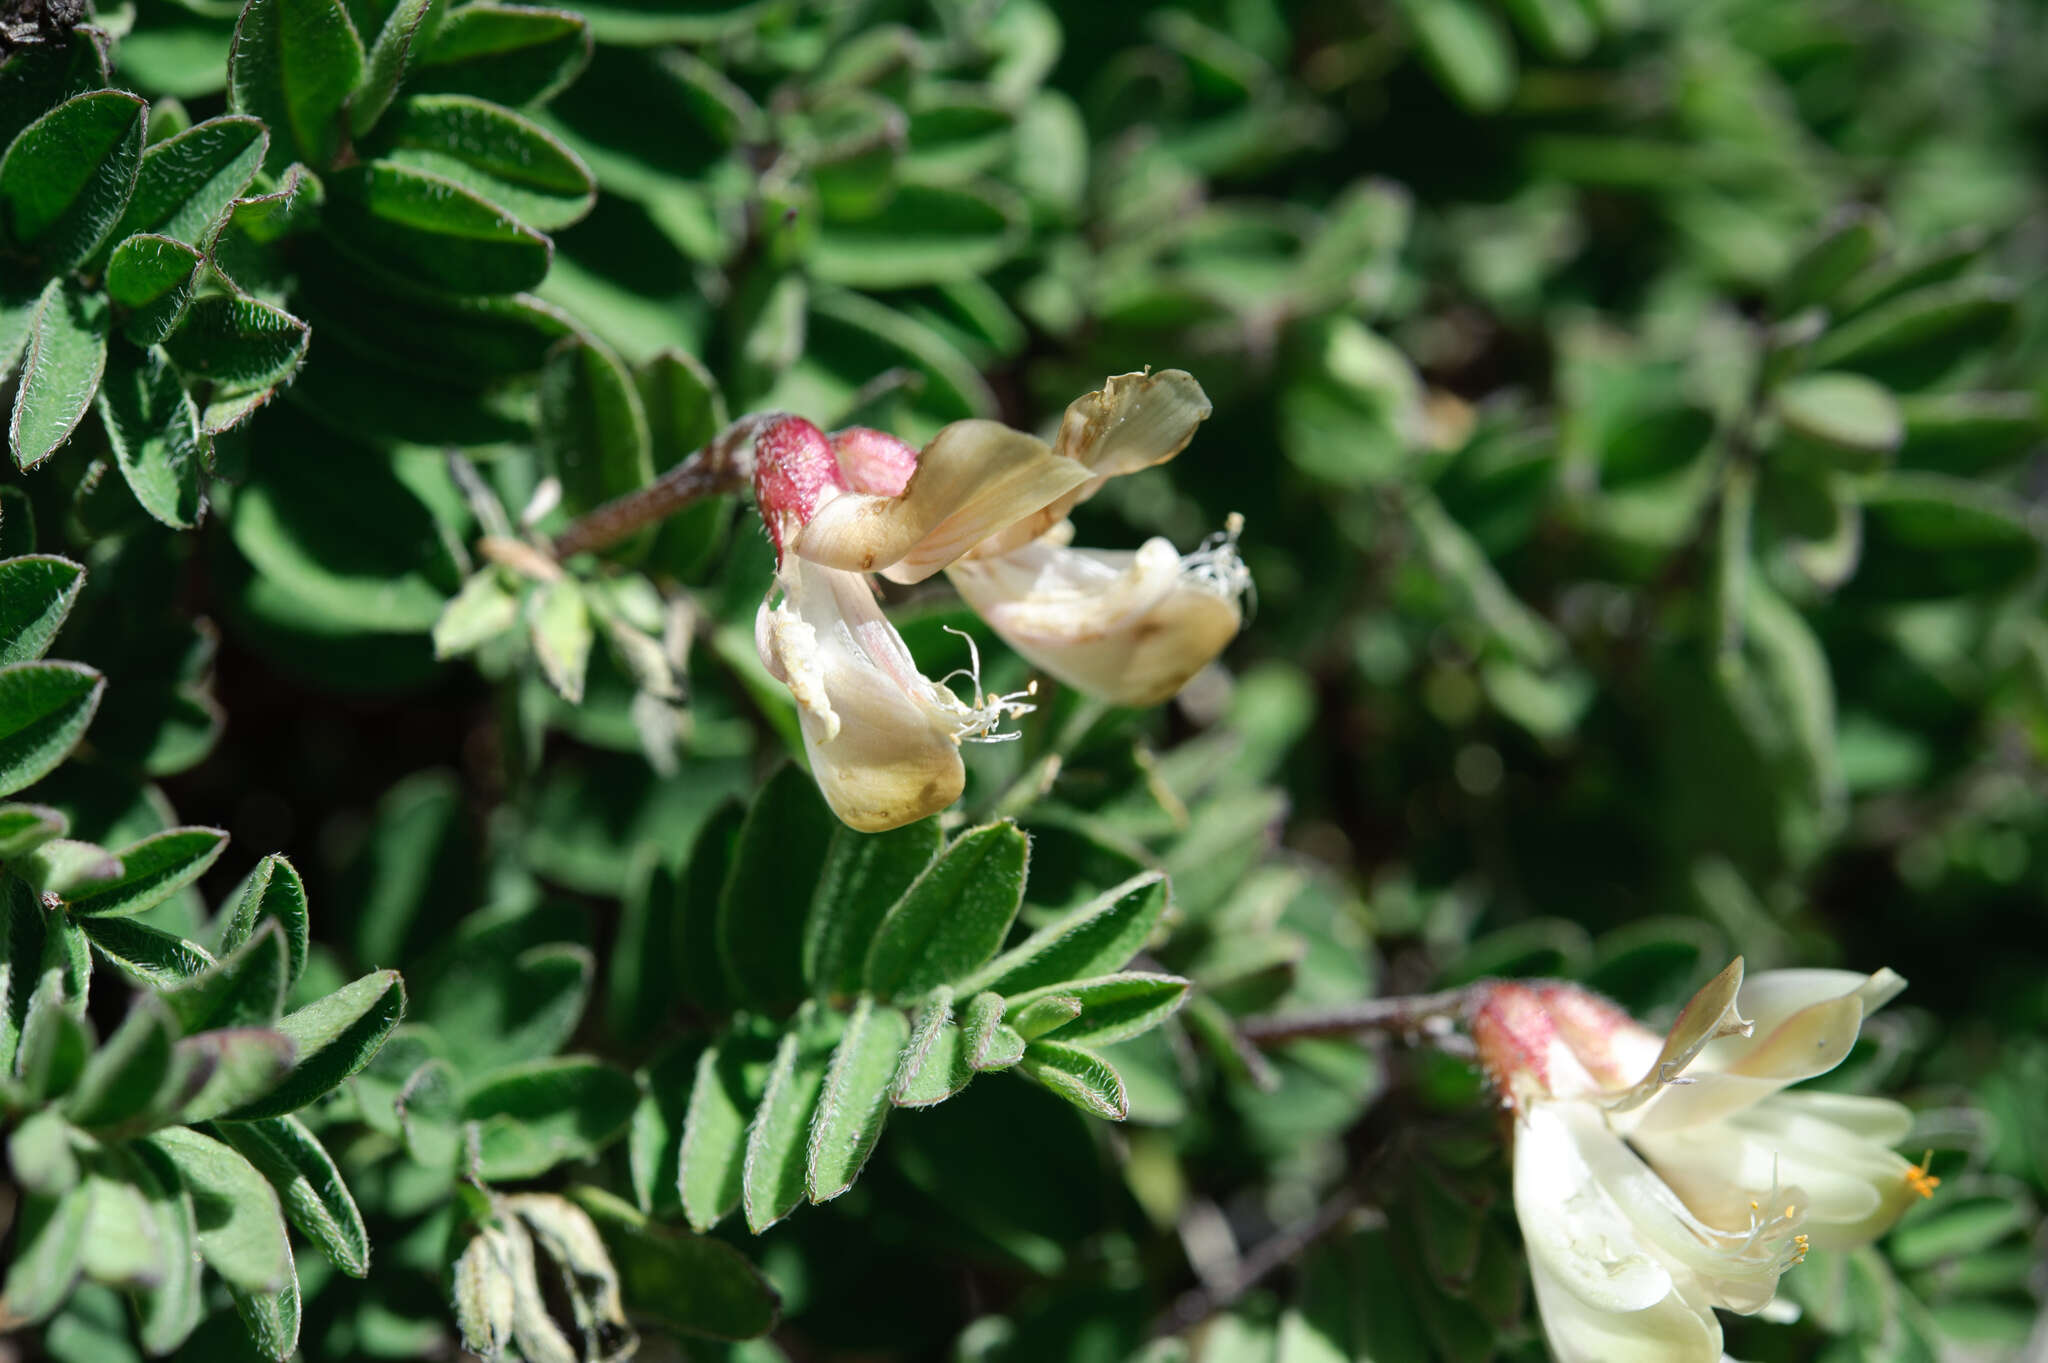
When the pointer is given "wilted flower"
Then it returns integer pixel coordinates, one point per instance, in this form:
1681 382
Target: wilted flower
883 740
1129 626
989 503
1657 1178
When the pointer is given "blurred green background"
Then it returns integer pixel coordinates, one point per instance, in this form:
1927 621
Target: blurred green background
1636 408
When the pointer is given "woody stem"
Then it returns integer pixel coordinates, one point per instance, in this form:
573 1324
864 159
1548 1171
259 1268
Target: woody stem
1402 1013
724 464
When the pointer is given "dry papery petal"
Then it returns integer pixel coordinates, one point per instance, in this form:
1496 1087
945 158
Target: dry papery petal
1129 627
974 479
1132 422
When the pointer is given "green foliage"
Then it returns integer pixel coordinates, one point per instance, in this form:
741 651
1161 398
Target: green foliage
1636 412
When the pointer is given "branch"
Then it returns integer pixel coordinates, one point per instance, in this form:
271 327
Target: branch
1197 1304
725 464
1404 1013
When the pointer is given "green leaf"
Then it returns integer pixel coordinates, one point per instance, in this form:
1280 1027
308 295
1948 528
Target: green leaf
23 828
121 1244
334 1037
499 1001
532 1117
934 1063
766 901
44 707
311 1189
508 54
1081 1077
863 877
777 1145
150 954
67 351
991 1045
239 1065
37 592
925 234
1852 241
855 1100
48 1255
1468 48
151 277
1916 338
1926 537
272 1318
685 1283
595 435
169 1311
501 156
954 918
38 75
1111 1007
1047 1012
390 55
271 890
479 613
242 344
66 179
683 404
730 1077
187 181
240 1230
40 1154
246 988
558 623
1559 29
433 230
154 430
125 1074
151 871
1839 421
293 64
24 931
1100 936
1969 434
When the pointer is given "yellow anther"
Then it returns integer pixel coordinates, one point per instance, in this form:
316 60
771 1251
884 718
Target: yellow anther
1789 1209
1753 1204
1919 1180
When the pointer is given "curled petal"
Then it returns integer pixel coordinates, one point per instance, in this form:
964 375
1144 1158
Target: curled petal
1130 627
1856 1187
1805 1022
1133 422
881 738
974 479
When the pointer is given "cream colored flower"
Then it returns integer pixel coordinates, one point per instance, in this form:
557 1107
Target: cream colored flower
1659 1178
1129 626
883 740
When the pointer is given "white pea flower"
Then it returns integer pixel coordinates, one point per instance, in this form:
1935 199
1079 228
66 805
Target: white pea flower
883 740
1659 1178
1129 626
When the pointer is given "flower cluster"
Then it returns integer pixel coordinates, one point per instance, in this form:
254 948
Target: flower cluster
987 505
1657 1178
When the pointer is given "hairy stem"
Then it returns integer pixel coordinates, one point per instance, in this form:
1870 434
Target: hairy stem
1403 1013
725 464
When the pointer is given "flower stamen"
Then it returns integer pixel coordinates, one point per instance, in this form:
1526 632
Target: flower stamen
982 714
1919 1180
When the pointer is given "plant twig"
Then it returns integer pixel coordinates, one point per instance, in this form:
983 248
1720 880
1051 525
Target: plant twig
1403 1013
1197 1304
725 464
